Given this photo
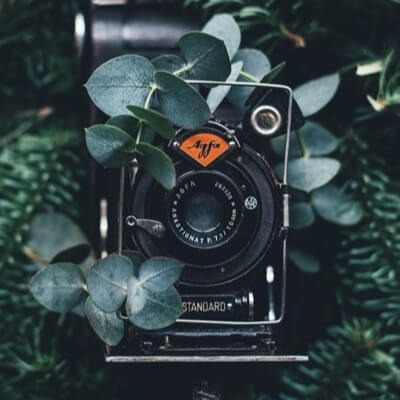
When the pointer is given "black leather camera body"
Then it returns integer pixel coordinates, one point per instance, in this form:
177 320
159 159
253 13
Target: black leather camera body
226 219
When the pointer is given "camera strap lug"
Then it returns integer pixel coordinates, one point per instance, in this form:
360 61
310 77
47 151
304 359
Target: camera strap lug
155 228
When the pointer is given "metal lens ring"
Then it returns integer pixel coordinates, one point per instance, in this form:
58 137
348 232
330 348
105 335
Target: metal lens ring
266 120
205 209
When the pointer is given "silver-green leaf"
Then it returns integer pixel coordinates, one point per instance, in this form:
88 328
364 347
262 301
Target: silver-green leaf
59 287
157 121
314 95
109 145
108 327
158 164
333 205
158 273
305 261
182 104
205 56
301 215
217 94
224 27
308 174
121 81
108 282
317 140
159 310
255 66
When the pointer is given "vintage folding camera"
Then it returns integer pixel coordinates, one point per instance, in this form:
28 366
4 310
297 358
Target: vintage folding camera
227 219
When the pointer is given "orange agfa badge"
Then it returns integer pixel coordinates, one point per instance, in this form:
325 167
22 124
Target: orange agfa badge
204 147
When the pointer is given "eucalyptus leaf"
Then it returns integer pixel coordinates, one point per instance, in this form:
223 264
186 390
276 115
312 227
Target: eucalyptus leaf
255 66
224 27
159 310
206 56
126 123
59 287
121 81
333 205
257 94
301 215
75 254
157 121
217 94
183 105
108 282
53 233
305 261
79 309
108 144
157 164
158 273
314 95
108 327
317 140
136 259
169 63
308 174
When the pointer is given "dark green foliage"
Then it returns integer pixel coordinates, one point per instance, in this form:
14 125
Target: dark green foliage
36 51
37 173
369 260
356 361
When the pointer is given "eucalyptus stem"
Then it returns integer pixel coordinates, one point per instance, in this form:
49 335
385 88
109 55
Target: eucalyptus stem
146 105
303 147
180 71
249 77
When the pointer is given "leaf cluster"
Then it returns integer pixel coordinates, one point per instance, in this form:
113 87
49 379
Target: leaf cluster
70 280
146 98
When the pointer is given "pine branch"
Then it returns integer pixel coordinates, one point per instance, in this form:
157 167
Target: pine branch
355 361
37 173
369 263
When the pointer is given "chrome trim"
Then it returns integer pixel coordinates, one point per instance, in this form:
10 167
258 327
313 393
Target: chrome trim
258 128
205 359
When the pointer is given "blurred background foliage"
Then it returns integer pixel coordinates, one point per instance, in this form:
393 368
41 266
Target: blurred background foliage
347 314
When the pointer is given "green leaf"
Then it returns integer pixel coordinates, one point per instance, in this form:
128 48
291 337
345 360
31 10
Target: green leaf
79 309
121 81
206 56
158 311
169 63
255 66
155 120
314 95
152 301
58 287
158 273
183 105
126 123
108 327
317 140
108 282
157 164
217 94
333 205
52 234
107 145
75 254
305 261
308 174
257 94
301 215
136 259
224 27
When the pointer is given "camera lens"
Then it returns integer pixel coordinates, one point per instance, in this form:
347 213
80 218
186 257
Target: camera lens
205 209
266 120
203 212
